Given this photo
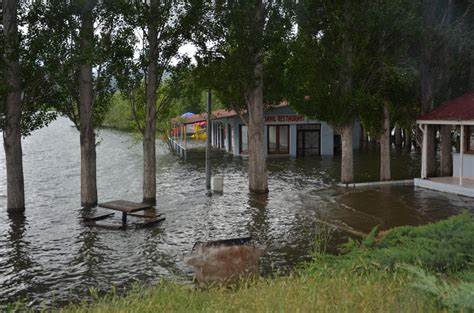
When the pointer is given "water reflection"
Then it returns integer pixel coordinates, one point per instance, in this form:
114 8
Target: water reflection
19 271
259 225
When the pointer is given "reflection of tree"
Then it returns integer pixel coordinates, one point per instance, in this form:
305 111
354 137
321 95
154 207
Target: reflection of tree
259 227
18 257
90 255
18 261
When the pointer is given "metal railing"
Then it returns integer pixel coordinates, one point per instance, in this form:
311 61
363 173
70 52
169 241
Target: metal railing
177 147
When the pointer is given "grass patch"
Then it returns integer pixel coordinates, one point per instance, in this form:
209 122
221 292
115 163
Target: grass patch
331 290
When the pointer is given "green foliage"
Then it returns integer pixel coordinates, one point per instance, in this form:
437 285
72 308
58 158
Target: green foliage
176 23
119 115
453 295
318 73
60 24
177 94
443 247
236 42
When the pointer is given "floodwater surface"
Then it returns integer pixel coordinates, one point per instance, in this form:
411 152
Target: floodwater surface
49 257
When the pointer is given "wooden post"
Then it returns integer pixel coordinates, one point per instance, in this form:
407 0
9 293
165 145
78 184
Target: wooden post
461 156
424 151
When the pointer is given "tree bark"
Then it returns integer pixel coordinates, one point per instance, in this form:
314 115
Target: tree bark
13 111
254 97
347 158
446 151
149 152
398 137
86 110
347 154
427 83
385 146
431 148
427 100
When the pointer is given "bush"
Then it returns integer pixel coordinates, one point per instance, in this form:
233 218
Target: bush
443 247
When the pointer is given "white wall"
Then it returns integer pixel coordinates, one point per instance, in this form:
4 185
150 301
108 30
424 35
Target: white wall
293 140
468 162
327 139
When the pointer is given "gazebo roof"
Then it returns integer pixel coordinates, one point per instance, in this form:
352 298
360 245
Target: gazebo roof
457 111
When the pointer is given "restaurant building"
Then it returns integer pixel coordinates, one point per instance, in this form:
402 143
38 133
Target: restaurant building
286 133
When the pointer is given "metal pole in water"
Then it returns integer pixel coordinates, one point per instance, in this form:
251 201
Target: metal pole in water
208 144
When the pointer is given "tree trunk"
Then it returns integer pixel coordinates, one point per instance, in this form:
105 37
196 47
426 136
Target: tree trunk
443 77
347 154
428 105
398 136
347 158
385 146
13 111
431 152
149 153
427 83
254 97
407 134
86 110
446 151
427 99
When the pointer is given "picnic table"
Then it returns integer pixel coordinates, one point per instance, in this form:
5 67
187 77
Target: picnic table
127 208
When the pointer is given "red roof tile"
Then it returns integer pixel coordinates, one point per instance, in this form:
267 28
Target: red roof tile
216 114
458 109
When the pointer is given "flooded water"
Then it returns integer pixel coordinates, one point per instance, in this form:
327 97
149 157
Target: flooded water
49 257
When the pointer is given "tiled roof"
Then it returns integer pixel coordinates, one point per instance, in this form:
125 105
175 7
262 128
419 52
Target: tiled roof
458 109
217 114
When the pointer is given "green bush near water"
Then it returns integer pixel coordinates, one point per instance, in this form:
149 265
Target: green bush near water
443 247
412 269
119 116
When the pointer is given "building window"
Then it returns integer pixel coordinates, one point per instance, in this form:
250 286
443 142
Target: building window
244 139
308 140
278 139
470 139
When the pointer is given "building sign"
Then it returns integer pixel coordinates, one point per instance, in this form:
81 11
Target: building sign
284 118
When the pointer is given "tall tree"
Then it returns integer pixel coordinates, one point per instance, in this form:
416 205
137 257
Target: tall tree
386 75
86 105
87 40
322 70
165 27
13 109
248 47
445 57
26 92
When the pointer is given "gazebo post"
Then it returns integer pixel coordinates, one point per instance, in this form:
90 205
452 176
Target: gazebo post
461 156
424 150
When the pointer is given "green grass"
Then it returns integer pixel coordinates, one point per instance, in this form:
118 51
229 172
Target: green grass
329 291
412 269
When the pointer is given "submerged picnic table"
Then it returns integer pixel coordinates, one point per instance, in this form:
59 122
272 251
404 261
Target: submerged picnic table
127 208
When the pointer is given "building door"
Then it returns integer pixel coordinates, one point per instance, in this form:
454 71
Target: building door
309 140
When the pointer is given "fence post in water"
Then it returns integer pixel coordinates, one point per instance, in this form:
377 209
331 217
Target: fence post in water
208 144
